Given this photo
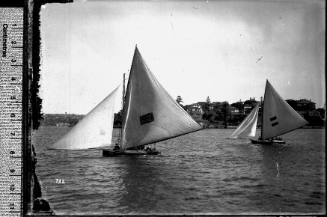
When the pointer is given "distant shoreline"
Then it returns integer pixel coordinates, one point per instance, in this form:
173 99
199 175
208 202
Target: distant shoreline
70 120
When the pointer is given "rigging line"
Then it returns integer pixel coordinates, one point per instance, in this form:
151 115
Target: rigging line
174 136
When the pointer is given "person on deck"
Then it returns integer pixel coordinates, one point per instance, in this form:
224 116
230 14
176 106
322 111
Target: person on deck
116 147
148 149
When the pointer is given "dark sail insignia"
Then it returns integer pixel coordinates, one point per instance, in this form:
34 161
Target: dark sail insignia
273 118
274 121
147 118
274 124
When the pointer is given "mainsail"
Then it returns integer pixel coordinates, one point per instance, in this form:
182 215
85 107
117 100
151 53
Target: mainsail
249 125
278 116
150 114
94 130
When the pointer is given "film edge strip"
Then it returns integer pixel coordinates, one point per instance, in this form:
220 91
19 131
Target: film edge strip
11 80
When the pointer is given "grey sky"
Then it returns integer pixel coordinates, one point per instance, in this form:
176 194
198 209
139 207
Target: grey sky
222 49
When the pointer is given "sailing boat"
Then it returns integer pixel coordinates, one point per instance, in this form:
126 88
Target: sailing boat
149 113
278 118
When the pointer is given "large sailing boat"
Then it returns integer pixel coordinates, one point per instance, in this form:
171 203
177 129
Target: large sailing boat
278 118
149 113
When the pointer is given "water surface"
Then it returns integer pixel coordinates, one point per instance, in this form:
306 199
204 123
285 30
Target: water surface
202 172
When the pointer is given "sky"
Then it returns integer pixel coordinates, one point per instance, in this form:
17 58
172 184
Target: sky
222 49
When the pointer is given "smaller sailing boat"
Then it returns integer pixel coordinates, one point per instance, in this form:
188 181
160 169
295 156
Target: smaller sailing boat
278 118
149 113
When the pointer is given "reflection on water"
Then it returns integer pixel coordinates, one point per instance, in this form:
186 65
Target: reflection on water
201 172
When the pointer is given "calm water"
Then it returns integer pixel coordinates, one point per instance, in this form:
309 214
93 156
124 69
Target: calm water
201 172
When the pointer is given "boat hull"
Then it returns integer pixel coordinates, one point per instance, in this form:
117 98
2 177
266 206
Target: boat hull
112 153
267 141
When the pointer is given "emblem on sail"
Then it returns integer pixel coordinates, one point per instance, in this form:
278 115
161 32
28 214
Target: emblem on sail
273 121
147 118
150 115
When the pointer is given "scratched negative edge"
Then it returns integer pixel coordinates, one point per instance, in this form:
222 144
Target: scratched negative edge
11 82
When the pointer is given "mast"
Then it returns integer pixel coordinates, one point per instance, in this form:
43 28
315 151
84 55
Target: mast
123 97
122 110
261 117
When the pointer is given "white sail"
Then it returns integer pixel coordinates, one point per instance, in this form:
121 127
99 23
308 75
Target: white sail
150 114
249 125
94 130
278 116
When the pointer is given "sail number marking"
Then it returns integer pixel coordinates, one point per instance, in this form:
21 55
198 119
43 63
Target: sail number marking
60 181
274 118
147 118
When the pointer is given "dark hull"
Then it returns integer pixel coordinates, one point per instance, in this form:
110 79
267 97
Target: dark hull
111 153
267 141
